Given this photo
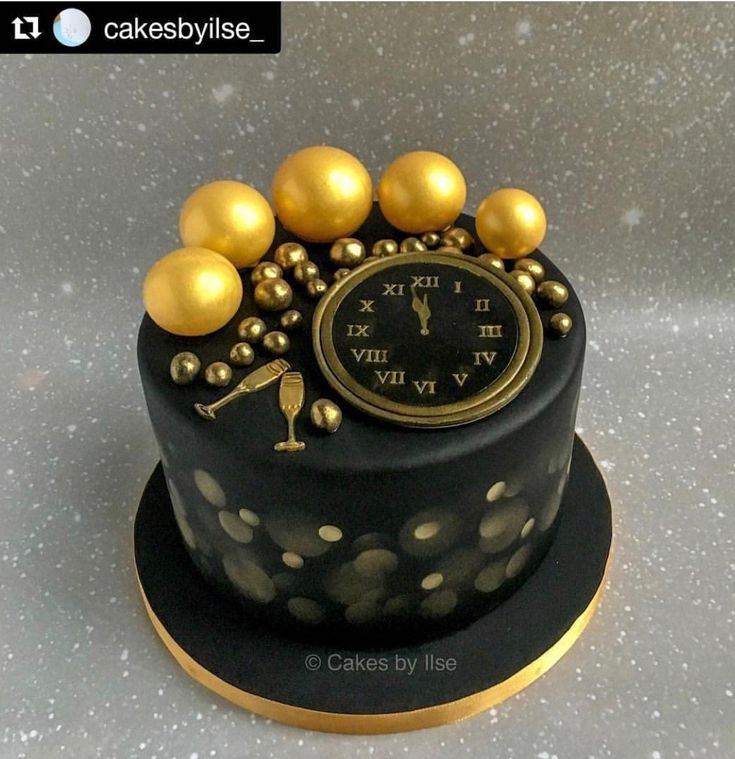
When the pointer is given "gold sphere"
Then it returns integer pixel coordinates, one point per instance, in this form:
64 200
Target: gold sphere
305 272
431 239
251 329
230 217
347 252
273 294
316 288
451 250
525 280
421 191
184 367
291 319
459 237
553 292
276 343
288 254
242 354
370 259
511 223
561 324
532 266
412 245
321 193
325 415
490 259
218 374
192 292
383 248
341 274
265 270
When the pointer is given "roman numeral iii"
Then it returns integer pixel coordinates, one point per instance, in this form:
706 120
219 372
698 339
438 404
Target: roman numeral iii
490 330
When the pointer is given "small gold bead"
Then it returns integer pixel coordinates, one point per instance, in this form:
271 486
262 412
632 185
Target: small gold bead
242 354
291 319
305 272
461 237
325 415
184 367
553 292
347 252
383 248
276 343
525 280
451 250
289 254
265 270
218 374
532 266
490 259
273 294
370 259
316 288
431 239
341 274
251 329
561 324
412 245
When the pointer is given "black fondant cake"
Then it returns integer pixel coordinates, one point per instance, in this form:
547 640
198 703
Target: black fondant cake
379 533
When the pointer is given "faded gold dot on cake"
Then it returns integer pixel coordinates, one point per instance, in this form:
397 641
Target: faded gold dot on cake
297 532
235 527
370 540
517 561
460 567
495 491
549 511
399 604
502 525
429 532
491 577
347 586
527 528
293 560
249 517
249 578
439 604
209 488
376 562
185 528
433 580
330 533
426 530
305 610
176 501
361 612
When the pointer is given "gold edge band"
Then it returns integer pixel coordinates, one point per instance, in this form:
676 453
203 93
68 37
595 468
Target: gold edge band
366 724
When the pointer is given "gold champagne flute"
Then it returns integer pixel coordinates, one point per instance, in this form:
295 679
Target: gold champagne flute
291 400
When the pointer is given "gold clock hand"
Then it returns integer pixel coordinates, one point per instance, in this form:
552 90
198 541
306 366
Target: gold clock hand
421 307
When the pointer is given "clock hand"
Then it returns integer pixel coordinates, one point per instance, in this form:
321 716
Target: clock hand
421 307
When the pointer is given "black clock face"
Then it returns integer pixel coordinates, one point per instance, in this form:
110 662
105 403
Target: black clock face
425 339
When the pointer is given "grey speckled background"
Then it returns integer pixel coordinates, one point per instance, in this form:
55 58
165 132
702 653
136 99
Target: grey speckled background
619 117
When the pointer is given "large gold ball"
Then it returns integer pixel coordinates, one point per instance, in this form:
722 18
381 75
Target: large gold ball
192 292
230 217
422 192
273 294
325 415
347 252
511 223
288 254
322 193
184 367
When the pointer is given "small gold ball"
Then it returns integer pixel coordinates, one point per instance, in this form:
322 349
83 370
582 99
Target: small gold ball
383 248
421 191
412 245
218 374
305 272
265 270
184 367
341 274
460 237
288 254
316 288
532 266
490 259
431 239
230 218
561 323
325 415
370 259
553 292
511 223
450 250
273 294
276 343
321 193
291 319
242 354
525 280
347 252
251 329
192 292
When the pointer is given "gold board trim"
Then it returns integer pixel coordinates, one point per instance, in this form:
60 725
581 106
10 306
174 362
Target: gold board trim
394 722
505 388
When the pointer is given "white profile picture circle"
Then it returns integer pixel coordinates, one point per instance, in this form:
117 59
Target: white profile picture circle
72 27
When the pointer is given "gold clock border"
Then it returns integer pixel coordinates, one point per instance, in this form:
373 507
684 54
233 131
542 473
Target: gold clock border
390 722
513 379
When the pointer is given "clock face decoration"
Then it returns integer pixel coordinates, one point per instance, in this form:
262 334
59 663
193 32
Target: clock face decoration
427 339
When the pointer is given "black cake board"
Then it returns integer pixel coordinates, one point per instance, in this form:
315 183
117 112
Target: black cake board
357 691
